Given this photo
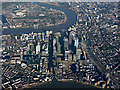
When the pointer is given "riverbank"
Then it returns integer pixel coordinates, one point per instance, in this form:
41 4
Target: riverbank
51 17
61 84
71 19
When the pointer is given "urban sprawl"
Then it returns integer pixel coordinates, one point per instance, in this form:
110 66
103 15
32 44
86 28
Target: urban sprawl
87 52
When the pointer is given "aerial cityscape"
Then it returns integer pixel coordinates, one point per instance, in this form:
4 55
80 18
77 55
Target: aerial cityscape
27 15
60 42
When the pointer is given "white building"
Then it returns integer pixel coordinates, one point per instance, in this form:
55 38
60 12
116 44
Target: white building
20 14
38 49
76 42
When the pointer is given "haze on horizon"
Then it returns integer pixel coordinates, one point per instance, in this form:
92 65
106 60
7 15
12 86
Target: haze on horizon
59 0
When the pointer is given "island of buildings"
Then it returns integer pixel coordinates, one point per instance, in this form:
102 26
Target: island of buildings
30 15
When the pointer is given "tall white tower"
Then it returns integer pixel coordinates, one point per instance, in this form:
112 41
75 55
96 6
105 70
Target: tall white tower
38 48
76 42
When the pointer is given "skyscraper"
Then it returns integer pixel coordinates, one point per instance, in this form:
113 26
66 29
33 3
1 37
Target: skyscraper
78 54
38 48
66 43
76 42
59 48
58 45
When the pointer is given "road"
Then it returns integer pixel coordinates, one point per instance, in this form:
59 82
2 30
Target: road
101 67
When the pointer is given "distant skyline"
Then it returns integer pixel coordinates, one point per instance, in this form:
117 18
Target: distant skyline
59 0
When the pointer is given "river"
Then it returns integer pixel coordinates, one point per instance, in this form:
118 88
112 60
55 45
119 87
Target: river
71 20
63 84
